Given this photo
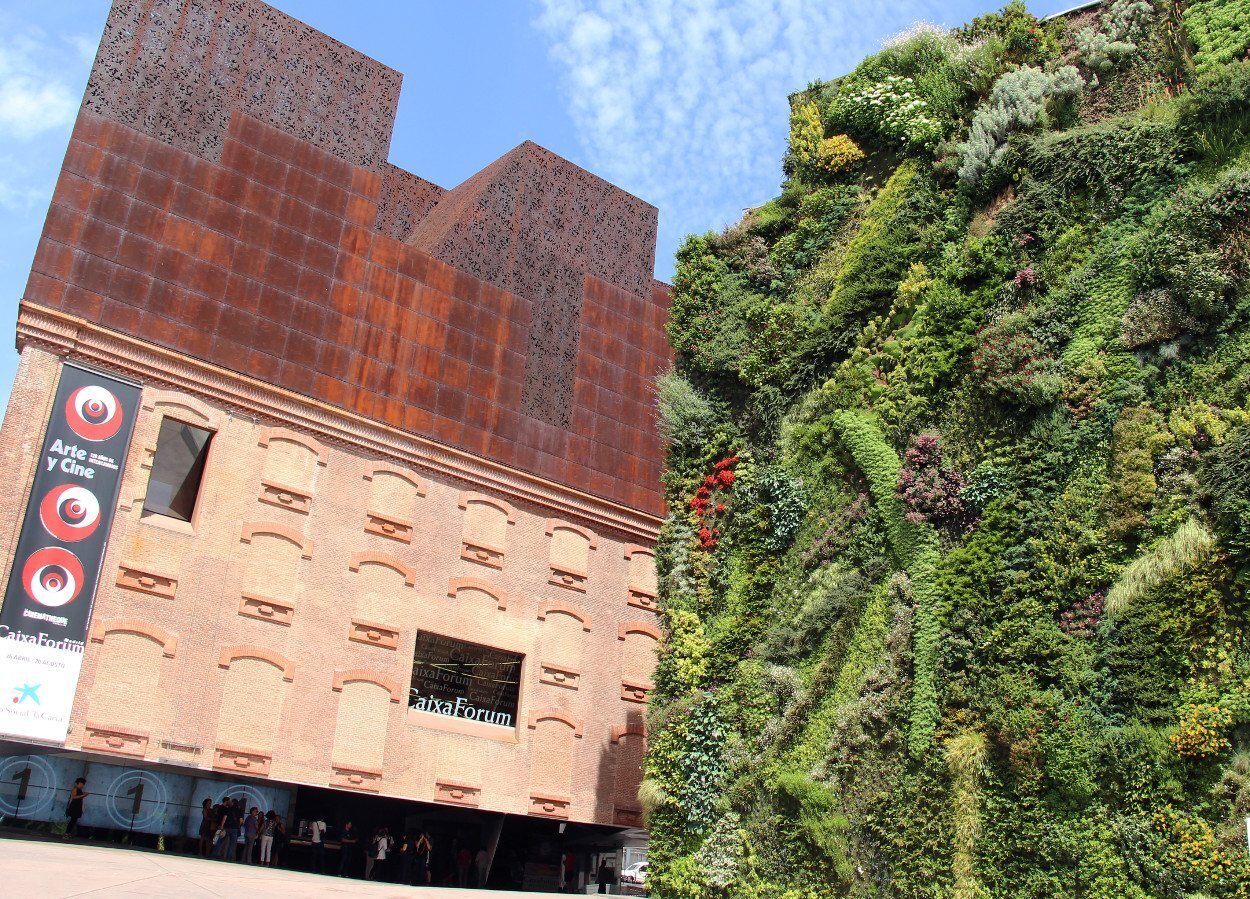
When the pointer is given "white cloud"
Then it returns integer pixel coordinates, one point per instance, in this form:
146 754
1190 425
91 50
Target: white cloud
34 95
84 45
683 102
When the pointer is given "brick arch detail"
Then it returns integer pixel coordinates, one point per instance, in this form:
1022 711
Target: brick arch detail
198 409
559 606
154 632
309 443
470 496
386 560
555 714
250 651
620 731
638 627
371 677
555 523
278 529
633 549
456 584
421 484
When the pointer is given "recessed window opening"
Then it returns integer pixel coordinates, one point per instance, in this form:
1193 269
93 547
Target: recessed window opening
177 469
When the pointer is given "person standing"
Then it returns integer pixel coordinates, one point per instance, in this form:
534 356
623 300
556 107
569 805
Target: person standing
280 839
73 808
481 861
422 851
348 844
317 833
251 830
225 815
384 852
464 860
606 877
268 828
232 830
208 826
405 859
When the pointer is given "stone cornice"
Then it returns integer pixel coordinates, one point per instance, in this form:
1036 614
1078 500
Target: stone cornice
78 339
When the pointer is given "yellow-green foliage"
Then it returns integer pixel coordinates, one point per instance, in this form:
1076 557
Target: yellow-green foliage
1169 558
966 757
687 646
915 550
815 154
1220 29
869 256
1131 485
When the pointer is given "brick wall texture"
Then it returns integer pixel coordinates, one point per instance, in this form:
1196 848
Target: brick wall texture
226 201
302 694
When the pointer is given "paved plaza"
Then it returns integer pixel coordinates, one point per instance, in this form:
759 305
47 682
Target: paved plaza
31 869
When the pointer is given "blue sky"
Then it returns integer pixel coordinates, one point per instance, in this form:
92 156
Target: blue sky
682 102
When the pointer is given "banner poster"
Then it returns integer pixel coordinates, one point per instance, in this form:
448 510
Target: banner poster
56 568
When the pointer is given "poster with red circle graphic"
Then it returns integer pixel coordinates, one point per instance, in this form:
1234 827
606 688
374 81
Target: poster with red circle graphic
56 567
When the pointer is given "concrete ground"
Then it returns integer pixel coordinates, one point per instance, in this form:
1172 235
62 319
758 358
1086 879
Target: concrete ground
32 869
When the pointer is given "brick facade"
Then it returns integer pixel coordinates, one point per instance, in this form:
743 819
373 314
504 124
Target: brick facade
430 411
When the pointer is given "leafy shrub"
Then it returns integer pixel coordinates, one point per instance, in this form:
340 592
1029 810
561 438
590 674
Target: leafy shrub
812 155
701 766
986 483
1131 485
1020 37
1083 618
1154 316
1225 474
1220 29
1218 97
1170 557
1124 24
1017 103
687 419
930 491
890 109
1112 162
1013 366
1201 730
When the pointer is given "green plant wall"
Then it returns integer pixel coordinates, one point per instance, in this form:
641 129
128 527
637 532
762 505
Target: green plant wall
954 575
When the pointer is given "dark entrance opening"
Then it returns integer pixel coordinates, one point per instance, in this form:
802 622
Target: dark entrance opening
522 852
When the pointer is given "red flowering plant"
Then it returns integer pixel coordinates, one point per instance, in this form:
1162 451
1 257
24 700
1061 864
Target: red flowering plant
930 491
1082 619
707 502
1011 364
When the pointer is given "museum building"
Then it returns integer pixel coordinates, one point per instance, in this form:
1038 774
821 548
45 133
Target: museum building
383 467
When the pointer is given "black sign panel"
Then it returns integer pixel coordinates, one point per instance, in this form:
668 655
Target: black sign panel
47 606
465 680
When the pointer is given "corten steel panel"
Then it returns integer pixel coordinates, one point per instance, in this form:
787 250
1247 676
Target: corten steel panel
222 207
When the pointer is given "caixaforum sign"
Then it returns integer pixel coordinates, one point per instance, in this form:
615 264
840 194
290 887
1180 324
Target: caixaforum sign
56 568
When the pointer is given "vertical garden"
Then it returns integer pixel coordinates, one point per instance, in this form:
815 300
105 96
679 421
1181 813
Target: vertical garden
954 577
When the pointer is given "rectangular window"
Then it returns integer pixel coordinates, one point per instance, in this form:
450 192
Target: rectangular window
177 469
465 680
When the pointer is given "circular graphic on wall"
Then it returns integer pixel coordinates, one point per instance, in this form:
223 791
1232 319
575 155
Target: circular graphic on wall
93 413
70 513
27 786
136 800
52 576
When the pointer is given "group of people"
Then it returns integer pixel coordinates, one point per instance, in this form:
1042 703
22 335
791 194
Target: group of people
382 852
222 825
230 832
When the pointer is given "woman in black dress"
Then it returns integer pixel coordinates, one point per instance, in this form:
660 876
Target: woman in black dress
208 824
73 809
